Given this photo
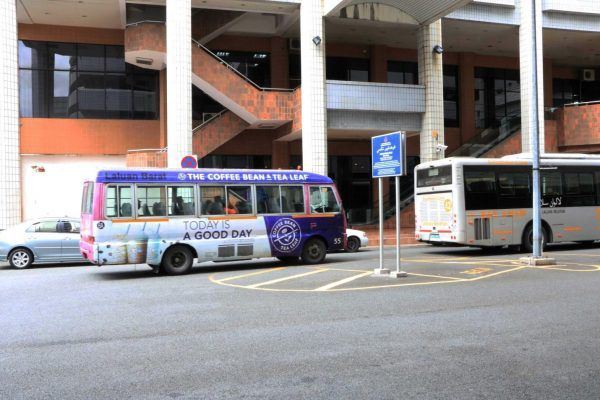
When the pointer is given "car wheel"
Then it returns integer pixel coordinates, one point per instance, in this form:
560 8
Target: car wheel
20 258
314 251
527 241
178 260
353 244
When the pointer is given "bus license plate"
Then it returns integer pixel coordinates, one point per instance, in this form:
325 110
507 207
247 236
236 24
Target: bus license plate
434 236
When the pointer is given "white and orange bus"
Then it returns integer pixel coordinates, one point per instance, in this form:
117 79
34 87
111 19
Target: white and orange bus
488 202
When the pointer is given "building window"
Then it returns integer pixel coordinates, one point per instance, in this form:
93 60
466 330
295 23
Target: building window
67 80
565 91
240 162
403 72
497 96
254 66
347 69
451 96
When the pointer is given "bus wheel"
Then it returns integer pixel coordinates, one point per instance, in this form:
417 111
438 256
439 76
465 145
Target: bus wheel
314 251
527 241
177 260
288 259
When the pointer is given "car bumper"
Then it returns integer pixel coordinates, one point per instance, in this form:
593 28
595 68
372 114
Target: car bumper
3 257
364 241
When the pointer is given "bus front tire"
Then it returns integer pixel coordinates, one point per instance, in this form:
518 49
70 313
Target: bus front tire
178 260
314 251
527 241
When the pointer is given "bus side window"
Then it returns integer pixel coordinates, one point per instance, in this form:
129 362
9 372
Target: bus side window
322 200
292 199
480 190
514 190
151 201
239 200
579 189
268 200
111 202
181 200
212 200
118 201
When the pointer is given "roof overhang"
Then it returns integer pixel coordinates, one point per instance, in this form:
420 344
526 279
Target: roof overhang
423 11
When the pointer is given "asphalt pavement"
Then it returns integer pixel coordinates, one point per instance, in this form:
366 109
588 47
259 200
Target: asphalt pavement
464 324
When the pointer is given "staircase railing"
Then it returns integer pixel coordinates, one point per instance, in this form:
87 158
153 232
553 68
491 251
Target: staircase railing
208 121
489 138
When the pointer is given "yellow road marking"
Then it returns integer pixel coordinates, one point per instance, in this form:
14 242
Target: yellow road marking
342 281
287 278
435 276
476 271
495 273
250 274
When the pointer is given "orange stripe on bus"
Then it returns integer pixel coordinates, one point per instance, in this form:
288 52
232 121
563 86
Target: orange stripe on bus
502 232
232 216
314 216
129 221
572 228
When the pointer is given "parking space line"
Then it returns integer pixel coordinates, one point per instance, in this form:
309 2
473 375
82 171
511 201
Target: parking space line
251 274
436 276
495 273
342 281
287 278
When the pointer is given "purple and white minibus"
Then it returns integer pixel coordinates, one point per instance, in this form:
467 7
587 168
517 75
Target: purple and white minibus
168 217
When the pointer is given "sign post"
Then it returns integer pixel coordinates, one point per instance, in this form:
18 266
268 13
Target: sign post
388 155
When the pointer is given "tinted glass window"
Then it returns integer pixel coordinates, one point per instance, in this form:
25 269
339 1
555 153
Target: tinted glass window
434 176
322 200
268 200
125 201
480 190
90 95
62 56
152 201
115 59
514 189
212 199
118 96
292 199
111 202
33 93
32 54
70 226
239 200
90 57
579 189
87 198
63 95
402 72
181 200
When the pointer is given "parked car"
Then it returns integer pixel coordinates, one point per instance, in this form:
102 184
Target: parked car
41 241
356 240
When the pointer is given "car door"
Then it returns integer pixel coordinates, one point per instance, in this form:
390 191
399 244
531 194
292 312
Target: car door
70 240
44 239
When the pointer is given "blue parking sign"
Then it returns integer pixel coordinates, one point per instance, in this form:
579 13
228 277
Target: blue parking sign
388 155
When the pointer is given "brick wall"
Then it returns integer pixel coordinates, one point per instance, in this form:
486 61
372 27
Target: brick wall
579 128
512 145
152 158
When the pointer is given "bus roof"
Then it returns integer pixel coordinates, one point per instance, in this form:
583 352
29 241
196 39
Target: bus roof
519 159
223 176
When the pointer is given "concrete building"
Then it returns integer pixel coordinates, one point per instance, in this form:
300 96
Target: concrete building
280 84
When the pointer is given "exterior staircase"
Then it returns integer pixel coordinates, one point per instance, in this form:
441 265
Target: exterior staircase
218 130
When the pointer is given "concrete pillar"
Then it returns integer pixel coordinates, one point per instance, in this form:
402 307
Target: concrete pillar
314 112
378 59
10 162
529 65
466 98
179 80
431 75
280 68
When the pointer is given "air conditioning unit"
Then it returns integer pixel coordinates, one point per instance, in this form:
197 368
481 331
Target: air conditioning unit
295 44
588 75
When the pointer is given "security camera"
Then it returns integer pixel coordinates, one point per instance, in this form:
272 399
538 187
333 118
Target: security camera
438 49
440 147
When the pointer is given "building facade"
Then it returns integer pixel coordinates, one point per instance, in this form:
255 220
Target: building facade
281 84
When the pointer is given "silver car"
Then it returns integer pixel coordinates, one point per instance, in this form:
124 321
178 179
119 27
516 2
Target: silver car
41 241
356 240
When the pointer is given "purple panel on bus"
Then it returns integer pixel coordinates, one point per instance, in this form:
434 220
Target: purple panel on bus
287 235
210 176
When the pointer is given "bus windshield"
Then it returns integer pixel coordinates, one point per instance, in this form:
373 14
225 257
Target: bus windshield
434 176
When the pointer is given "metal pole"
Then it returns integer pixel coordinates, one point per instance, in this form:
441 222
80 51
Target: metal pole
397 224
380 188
535 145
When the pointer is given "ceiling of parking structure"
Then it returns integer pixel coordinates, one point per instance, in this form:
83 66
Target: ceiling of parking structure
564 48
85 13
256 6
423 11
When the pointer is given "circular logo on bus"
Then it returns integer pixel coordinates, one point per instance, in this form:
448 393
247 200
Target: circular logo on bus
448 205
285 235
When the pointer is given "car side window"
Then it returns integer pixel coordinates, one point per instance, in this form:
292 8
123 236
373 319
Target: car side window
70 226
44 227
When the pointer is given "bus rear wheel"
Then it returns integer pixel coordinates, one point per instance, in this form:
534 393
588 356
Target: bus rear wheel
178 260
527 241
314 251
